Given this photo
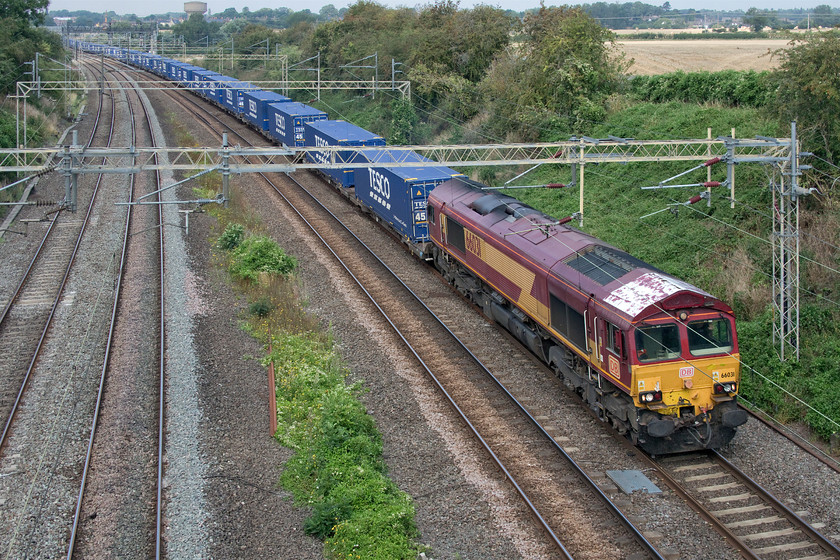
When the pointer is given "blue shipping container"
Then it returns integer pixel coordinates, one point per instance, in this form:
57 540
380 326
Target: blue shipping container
285 121
256 106
234 96
173 69
187 72
203 77
338 133
399 195
217 89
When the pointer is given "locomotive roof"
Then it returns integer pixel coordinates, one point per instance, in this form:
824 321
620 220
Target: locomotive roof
633 288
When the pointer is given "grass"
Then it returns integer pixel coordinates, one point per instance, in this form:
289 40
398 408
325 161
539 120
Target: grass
337 467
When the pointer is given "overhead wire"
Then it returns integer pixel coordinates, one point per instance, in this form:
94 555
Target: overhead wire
709 249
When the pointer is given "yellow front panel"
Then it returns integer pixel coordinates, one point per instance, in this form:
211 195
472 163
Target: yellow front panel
692 382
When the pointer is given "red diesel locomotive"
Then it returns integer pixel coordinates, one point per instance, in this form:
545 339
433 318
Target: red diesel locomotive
653 355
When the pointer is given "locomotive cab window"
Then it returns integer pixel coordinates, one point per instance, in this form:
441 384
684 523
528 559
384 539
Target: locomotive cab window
430 214
711 336
661 342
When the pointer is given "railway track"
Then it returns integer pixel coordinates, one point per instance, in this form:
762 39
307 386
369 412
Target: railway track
516 441
86 506
36 448
750 517
44 463
28 313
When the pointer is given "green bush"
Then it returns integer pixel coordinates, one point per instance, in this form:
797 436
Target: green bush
232 237
258 254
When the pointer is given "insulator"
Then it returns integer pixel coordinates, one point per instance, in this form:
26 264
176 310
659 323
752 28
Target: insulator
693 199
710 184
712 161
46 203
555 185
565 220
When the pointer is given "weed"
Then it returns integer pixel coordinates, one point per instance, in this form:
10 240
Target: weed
232 237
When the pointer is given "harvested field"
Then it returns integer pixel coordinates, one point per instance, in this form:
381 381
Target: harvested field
663 56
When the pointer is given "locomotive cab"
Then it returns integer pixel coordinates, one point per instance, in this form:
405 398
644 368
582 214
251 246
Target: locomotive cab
686 372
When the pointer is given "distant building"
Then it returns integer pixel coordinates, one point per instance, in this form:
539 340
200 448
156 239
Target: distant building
195 8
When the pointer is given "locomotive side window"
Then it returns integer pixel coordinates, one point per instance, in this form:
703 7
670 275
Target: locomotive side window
709 337
658 343
615 339
568 322
455 235
430 214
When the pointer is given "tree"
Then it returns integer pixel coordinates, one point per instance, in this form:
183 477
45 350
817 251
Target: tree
403 121
228 14
808 81
303 16
197 30
757 19
28 12
328 13
824 17
461 41
233 27
559 78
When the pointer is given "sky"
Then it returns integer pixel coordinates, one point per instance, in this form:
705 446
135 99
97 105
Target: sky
163 6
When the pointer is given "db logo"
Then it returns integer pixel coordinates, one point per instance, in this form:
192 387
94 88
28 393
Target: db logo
615 368
686 372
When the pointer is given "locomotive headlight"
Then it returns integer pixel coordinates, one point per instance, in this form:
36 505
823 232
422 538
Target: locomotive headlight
650 396
721 388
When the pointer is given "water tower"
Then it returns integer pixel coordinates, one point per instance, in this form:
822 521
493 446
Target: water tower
195 8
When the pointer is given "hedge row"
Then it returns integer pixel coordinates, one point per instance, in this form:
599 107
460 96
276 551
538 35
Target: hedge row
728 87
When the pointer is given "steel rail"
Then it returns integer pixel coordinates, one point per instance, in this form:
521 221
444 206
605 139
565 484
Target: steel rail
717 523
818 538
106 360
498 462
162 388
797 440
523 495
25 277
59 294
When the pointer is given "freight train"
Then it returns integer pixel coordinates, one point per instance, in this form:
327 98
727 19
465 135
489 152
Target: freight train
651 354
